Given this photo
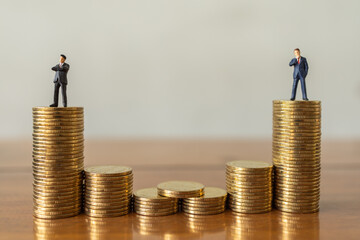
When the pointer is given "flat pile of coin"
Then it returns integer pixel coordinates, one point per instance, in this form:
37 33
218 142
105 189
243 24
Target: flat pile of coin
108 191
249 184
296 155
180 189
148 202
58 160
212 202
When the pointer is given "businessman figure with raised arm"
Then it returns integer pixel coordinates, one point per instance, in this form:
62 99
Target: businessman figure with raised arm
300 71
60 80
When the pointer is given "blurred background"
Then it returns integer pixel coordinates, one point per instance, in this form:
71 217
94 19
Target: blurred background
179 69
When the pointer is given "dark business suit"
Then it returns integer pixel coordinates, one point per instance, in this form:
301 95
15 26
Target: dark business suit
60 80
300 72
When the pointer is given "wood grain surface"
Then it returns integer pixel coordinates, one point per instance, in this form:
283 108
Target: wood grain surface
200 160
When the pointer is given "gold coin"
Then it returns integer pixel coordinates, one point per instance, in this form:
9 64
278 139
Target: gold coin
106 192
112 186
57 120
249 165
60 145
59 166
63 109
150 194
110 206
180 189
205 204
147 205
58 128
108 189
58 142
204 213
297 199
79 122
107 197
155 213
106 202
284 209
58 162
56 215
202 208
248 175
57 116
72 195
144 209
59 139
115 183
250 211
95 199
53 202
108 170
106 212
210 193
55 155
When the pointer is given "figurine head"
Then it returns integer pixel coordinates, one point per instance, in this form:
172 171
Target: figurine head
62 58
297 52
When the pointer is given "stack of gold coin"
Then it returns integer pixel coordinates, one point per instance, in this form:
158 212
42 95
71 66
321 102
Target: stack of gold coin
147 202
296 155
108 191
249 184
58 160
181 189
212 202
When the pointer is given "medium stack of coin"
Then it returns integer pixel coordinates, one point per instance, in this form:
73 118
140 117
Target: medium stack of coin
296 155
58 160
249 184
147 202
212 202
181 189
108 191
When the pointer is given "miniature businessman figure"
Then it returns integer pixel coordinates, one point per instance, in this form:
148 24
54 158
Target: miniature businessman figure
60 80
300 71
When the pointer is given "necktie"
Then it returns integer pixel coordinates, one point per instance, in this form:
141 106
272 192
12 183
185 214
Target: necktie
298 60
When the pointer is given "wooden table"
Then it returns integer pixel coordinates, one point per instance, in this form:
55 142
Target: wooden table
154 161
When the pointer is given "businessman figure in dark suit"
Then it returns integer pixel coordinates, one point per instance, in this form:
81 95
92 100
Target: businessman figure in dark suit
301 69
60 80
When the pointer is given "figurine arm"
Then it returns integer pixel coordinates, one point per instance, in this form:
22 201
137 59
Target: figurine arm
292 62
306 67
55 68
65 68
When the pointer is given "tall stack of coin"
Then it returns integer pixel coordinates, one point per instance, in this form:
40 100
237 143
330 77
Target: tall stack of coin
58 159
296 155
148 202
180 189
108 191
249 184
212 202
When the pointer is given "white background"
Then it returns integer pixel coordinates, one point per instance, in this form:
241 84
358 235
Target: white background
179 68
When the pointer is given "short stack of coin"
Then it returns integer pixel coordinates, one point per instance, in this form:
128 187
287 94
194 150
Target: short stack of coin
58 160
147 202
249 184
296 155
108 191
180 189
212 202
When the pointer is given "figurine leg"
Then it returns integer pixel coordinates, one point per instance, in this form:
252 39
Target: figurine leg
303 89
64 97
294 88
56 95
